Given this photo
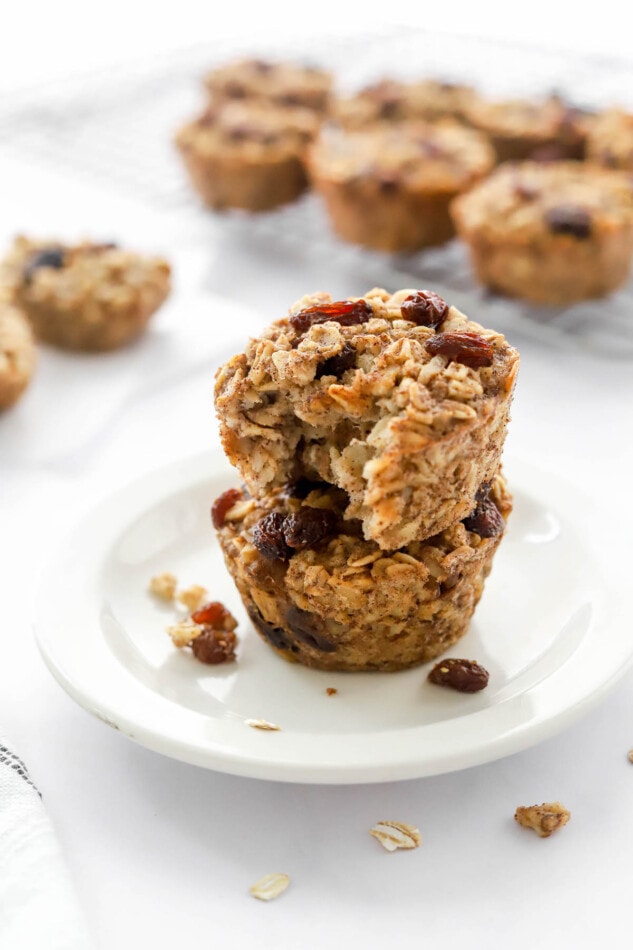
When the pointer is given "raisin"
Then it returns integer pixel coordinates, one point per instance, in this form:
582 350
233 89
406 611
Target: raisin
212 615
214 646
261 66
569 219
465 676
346 312
222 505
302 487
336 365
239 133
525 192
471 349
276 636
290 99
424 308
269 538
388 183
388 108
306 628
308 526
54 257
234 89
486 520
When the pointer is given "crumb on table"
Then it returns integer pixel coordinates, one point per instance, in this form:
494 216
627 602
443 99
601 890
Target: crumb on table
543 819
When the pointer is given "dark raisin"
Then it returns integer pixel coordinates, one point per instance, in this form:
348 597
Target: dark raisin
213 614
239 133
302 487
336 365
308 526
525 192
388 108
465 676
569 219
486 520
471 349
214 646
346 312
277 637
234 89
290 99
223 504
54 257
306 627
424 308
388 183
261 66
269 539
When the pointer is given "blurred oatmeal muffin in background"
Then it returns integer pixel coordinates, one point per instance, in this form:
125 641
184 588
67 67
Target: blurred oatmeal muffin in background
530 128
551 234
610 140
279 83
389 186
396 100
247 154
86 296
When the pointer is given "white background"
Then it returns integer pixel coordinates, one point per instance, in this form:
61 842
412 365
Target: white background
162 853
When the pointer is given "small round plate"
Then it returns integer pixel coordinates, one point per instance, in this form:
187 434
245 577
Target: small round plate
547 630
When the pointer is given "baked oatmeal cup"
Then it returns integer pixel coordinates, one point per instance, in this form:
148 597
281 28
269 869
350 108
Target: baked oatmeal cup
551 234
610 140
87 296
279 83
400 400
394 100
524 129
17 354
320 595
247 154
389 187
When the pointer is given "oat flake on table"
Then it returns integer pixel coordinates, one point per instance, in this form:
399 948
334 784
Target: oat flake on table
269 886
396 834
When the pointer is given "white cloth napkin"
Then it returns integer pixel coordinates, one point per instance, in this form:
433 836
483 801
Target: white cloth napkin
38 907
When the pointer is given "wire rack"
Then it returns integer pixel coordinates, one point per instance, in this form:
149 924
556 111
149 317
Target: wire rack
116 129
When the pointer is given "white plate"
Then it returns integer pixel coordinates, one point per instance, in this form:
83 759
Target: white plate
546 629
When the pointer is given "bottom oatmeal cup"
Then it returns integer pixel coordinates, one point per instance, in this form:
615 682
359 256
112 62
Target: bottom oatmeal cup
320 595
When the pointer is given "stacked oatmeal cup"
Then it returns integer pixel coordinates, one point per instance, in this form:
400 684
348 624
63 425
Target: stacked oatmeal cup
369 434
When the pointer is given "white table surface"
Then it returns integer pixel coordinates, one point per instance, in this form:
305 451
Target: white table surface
163 853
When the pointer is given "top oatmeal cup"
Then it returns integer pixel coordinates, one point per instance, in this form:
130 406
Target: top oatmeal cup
398 399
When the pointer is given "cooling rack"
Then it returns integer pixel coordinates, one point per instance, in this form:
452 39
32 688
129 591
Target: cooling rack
115 128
